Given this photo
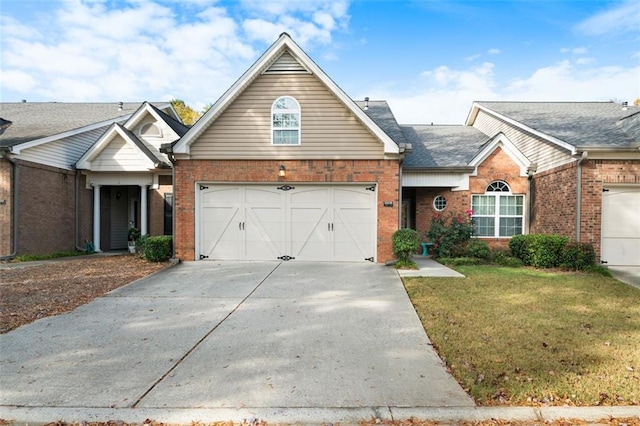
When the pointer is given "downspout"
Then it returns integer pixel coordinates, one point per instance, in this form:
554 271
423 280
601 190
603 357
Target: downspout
531 171
14 204
77 212
168 150
579 193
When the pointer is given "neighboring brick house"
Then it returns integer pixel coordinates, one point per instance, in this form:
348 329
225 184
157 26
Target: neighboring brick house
571 168
47 202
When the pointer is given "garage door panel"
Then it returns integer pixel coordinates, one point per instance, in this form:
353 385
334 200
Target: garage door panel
264 232
620 226
309 233
220 232
352 234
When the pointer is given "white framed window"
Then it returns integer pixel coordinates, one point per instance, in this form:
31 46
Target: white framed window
439 203
285 121
498 212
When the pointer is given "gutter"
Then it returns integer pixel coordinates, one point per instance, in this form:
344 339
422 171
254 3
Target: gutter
14 202
443 169
583 156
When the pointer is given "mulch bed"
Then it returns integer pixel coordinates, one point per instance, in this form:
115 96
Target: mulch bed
30 292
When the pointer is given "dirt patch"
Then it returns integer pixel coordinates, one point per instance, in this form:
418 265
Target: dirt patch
28 293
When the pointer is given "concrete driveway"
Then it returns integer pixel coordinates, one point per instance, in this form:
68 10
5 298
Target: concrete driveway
233 335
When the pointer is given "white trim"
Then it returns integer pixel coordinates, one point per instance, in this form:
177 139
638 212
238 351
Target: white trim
474 113
85 161
501 141
283 43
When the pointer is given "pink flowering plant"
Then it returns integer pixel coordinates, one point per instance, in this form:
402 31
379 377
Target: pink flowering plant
450 233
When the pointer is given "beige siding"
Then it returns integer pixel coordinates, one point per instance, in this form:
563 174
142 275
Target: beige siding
63 153
538 150
119 155
328 129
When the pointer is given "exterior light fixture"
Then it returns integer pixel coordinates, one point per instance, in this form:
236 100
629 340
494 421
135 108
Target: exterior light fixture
282 172
366 103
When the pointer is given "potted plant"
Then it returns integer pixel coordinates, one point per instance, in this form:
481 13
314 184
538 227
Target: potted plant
133 235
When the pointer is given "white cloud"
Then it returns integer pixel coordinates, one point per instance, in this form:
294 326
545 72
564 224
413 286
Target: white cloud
575 50
311 21
493 51
148 49
620 18
444 95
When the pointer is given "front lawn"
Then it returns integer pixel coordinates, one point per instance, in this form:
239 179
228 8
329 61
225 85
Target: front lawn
521 336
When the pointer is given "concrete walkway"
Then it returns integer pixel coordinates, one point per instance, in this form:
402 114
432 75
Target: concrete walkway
429 268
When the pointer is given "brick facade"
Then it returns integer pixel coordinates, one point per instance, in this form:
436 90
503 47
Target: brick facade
553 201
46 209
156 209
6 207
497 166
384 172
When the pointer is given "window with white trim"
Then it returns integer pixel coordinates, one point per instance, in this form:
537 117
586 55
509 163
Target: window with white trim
285 121
439 203
498 212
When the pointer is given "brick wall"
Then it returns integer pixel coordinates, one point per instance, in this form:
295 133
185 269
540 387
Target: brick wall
6 207
46 204
497 166
156 209
553 201
384 172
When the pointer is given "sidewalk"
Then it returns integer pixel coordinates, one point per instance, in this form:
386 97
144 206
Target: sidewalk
429 268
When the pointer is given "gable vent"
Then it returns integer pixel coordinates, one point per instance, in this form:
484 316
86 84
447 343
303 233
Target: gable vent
286 64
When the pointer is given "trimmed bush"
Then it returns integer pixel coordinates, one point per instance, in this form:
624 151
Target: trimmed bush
578 256
405 243
539 250
157 249
141 241
504 258
478 249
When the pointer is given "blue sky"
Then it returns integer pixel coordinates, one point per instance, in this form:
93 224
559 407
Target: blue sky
428 58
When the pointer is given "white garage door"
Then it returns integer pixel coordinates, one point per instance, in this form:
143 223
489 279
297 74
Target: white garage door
303 222
621 226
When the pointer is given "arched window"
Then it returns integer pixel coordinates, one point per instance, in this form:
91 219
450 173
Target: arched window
285 121
150 129
498 212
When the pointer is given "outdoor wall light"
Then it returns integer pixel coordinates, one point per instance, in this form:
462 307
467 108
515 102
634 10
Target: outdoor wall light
282 172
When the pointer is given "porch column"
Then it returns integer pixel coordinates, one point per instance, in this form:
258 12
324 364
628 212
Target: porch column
96 217
143 210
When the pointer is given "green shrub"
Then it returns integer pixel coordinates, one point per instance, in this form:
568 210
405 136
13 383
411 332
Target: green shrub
450 233
406 264
578 256
157 249
538 250
504 258
478 249
405 243
141 242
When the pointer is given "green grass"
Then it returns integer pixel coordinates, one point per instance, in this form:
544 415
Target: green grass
32 257
526 337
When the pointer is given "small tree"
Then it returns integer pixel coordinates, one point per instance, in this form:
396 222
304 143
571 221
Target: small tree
450 233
